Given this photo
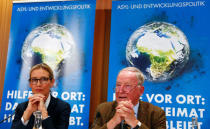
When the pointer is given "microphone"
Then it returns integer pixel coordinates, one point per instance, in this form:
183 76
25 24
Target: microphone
122 124
7 118
37 120
194 123
98 115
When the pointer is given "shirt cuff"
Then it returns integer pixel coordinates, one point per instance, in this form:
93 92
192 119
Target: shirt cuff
24 123
46 118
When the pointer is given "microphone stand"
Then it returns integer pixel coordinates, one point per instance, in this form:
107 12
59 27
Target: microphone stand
7 118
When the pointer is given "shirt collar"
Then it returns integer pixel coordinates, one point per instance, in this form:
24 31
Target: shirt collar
135 108
47 102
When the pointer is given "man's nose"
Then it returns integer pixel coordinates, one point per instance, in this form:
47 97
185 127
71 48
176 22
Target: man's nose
121 88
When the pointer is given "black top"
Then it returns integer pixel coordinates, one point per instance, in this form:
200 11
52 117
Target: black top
58 111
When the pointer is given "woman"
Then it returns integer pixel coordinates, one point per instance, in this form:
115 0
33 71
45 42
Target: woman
55 112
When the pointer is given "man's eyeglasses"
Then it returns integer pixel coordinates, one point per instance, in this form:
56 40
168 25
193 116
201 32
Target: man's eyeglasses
42 80
126 87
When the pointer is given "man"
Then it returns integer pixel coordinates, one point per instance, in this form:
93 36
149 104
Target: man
128 108
55 112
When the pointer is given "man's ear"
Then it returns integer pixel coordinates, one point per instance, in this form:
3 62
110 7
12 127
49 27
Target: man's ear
141 89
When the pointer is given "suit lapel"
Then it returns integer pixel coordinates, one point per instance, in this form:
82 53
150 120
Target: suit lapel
114 105
141 112
52 105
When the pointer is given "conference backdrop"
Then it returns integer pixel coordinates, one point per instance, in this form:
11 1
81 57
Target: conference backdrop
168 40
59 34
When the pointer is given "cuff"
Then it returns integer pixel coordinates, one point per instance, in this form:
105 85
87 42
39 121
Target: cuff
24 123
138 125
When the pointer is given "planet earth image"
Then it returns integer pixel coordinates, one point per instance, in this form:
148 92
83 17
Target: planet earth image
48 43
159 49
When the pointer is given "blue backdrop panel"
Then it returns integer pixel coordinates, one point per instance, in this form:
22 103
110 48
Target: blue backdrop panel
61 35
169 41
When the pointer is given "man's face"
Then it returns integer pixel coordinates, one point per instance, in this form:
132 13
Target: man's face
127 87
40 82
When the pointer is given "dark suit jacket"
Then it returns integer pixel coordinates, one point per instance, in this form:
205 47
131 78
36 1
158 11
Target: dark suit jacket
58 111
150 116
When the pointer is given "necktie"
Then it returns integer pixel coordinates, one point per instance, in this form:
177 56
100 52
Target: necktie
125 125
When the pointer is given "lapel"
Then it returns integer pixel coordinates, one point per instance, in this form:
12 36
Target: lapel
142 111
113 110
52 105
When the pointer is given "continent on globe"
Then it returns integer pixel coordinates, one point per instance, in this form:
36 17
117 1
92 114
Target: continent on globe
159 49
49 43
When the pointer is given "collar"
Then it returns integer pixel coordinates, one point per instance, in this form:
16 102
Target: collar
47 102
135 108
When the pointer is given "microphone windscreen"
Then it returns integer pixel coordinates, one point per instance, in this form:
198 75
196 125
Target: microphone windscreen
98 115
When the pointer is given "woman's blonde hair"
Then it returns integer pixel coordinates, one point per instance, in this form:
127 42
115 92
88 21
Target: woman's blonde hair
44 67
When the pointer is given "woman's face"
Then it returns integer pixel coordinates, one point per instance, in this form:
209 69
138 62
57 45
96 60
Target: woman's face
40 82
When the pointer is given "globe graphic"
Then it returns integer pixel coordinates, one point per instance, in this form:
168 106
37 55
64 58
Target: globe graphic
159 49
50 44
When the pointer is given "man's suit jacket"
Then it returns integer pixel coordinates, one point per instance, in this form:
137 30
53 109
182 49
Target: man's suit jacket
58 111
150 116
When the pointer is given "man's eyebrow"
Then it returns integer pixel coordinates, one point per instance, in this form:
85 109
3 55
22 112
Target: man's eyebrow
40 77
